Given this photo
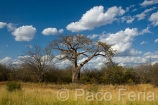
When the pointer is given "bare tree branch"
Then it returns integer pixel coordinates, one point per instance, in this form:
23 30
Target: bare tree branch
72 47
38 60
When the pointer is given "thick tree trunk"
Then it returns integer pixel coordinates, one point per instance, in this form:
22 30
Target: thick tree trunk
76 76
76 69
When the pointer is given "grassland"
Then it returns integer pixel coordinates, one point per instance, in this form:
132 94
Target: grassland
49 94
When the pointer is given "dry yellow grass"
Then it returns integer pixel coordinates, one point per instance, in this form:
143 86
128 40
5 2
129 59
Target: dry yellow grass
48 94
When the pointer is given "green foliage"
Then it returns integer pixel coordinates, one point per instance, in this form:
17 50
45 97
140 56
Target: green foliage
119 75
154 74
58 76
4 73
107 75
114 75
91 76
13 86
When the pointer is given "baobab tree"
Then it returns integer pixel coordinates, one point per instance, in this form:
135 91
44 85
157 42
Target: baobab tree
73 47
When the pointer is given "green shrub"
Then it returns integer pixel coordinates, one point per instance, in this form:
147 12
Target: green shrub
13 86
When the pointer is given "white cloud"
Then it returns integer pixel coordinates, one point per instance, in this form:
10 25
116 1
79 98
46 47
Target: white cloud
122 41
151 57
52 31
130 60
156 40
96 62
128 8
61 31
19 61
144 31
61 63
128 19
24 33
93 36
149 2
99 61
143 14
134 10
144 42
11 27
6 61
2 24
95 17
154 19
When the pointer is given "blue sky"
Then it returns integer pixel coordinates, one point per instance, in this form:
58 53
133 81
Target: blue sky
130 26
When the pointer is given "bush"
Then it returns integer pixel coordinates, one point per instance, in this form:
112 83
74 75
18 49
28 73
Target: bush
114 75
13 86
4 73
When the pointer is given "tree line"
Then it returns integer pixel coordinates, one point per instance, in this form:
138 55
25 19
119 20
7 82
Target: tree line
141 74
36 64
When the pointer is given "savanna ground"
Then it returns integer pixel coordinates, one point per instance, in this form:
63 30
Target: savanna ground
71 94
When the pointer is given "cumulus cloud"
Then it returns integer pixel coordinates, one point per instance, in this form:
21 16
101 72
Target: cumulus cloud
144 42
52 31
132 60
144 31
149 2
128 19
95 17
2 24
151 57
60 63
154 19
6 61
122 41
129 60
151 54
11 27
142 15
156 40
100 61
24 33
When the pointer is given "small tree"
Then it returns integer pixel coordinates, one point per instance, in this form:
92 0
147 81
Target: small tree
73 47
154 74
114 75
37 60
143 72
